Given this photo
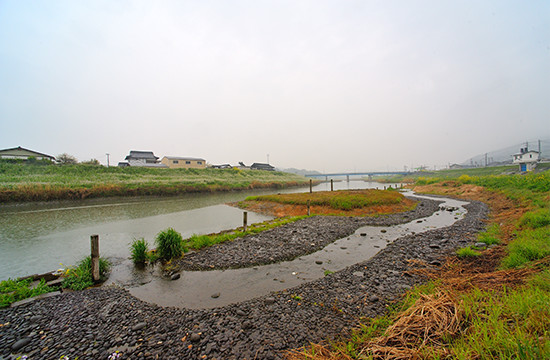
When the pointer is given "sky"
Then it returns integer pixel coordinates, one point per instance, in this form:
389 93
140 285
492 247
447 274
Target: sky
330 86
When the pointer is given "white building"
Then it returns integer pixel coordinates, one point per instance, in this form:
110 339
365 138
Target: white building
526 159
143 159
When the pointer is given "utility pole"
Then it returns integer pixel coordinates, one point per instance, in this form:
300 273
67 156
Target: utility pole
107 159
268 159
485 159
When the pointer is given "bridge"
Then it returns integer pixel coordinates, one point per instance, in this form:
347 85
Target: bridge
368 173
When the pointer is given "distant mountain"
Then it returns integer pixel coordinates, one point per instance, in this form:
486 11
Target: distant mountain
504 156
300 171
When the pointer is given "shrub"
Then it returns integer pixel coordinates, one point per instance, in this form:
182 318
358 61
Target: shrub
80 277
15 290
169 244
138 250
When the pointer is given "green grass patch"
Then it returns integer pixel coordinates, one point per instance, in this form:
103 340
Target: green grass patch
79 277
530 245
467 252
15 290
509 324
491 236
338 200
139 250
170 244
201 241
535 219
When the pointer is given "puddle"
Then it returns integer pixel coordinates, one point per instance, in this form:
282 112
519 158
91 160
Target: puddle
209 289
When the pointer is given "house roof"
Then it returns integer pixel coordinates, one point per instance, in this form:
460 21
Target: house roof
31 151
141 155
261 166
182 158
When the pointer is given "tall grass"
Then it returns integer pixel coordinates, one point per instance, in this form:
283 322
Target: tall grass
170 244
79 277
14 290
20 182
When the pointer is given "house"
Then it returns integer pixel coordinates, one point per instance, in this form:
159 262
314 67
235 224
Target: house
222 166
23 154
143 159
174 162
262 166
526 159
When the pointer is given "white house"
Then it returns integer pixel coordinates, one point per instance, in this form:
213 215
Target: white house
526 159
142 158
23 154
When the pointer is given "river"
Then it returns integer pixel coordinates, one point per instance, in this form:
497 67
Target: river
41 237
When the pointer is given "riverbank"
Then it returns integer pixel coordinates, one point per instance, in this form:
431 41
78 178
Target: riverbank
27 183
97 322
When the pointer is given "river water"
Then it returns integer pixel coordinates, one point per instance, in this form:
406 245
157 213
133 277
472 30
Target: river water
37 238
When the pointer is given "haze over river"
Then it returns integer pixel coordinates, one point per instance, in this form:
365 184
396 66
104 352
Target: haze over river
37 238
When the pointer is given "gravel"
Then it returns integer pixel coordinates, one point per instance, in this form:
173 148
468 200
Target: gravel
94 323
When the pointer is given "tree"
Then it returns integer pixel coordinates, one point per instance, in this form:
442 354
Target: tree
94 162
66 159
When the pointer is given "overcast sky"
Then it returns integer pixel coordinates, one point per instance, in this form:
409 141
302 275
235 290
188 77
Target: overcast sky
322 85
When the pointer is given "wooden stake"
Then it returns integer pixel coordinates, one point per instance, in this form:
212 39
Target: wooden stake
310 186
308 208
94 239
331 185
245 219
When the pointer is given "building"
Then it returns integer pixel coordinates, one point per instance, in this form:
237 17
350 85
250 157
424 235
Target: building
23 154
526 159
261 166
143 159
175 162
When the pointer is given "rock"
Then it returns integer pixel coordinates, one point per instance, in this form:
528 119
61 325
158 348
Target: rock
195 337
358 273
175 276
269 300
383 231
246 325
215 296
363 234
374 298
20 344
139 326
480 245
241 313
318 262
435 246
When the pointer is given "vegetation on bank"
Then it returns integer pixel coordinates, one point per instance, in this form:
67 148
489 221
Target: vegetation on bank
337 200
171 242
77 277
482 304
21 182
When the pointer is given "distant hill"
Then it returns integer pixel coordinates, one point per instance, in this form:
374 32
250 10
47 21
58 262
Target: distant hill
299 171
504 156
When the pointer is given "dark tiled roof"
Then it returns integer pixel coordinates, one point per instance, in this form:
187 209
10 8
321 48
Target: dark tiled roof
141 155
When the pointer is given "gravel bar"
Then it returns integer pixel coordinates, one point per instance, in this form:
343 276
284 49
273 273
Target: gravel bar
94 323
293 240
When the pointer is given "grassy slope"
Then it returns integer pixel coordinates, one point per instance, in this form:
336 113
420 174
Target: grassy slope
20 182
494 304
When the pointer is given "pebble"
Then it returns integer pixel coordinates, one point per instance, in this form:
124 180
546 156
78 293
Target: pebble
215 295
175 276
20 344
139 326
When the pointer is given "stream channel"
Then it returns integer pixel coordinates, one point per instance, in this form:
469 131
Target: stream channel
210 289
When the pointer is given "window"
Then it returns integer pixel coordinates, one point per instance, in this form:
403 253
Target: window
175 162
188 162
199 162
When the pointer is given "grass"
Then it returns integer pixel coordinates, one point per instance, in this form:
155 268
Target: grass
338 200
170 244
139 250
478 307
23 182
198 242
79 277
15 290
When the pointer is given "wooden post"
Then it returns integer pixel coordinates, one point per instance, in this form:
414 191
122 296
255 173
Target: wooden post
331 185
308 208
310 186
245 220
94 239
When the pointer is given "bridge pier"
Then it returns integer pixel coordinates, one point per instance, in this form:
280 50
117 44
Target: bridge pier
347 178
